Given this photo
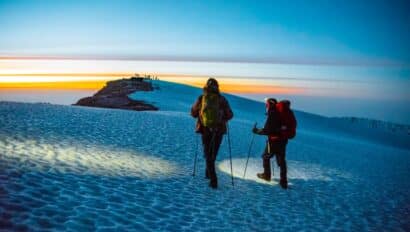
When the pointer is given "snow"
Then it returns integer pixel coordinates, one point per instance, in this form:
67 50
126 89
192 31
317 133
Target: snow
79 169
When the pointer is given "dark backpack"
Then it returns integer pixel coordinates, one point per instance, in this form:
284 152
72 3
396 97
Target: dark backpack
210 113
288 120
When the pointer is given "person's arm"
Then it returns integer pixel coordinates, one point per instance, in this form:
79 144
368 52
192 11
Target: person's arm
227 114
196 107
268 129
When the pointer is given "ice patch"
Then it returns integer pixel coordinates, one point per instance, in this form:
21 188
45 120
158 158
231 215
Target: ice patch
296 170
82 159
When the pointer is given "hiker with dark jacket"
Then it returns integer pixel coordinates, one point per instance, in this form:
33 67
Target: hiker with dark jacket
275 145
213 112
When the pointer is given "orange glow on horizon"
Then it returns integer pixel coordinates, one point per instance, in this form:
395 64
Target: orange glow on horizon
234 88
20 78
226 85
49 73
90 85
256 89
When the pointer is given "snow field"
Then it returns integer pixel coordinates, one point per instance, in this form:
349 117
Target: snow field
80 169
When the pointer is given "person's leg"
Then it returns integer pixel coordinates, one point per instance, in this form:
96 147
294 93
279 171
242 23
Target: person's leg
213 181
281 160
266 175
206 173
215 144
206 142
218 141
267 167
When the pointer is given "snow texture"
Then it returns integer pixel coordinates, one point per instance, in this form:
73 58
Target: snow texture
79 169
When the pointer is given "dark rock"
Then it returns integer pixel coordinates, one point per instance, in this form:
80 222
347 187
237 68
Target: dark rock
115 95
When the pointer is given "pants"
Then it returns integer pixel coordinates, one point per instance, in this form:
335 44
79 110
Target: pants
277 148
211 141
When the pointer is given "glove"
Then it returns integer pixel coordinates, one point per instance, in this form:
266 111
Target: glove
255 130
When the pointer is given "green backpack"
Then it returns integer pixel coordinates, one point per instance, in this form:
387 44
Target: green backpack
209 113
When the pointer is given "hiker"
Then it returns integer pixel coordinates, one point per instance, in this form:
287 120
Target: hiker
213 112
280 126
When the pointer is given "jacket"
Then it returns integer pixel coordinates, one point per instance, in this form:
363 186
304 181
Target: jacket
272 125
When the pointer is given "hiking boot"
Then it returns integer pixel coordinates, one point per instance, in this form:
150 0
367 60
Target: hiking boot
263 176
213 184
283 184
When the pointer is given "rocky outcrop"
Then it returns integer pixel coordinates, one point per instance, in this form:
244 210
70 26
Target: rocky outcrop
377 124
115 95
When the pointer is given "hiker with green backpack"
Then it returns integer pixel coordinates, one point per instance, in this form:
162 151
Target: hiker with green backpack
280 126
213 112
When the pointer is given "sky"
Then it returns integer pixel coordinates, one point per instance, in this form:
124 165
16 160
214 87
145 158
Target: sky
320 50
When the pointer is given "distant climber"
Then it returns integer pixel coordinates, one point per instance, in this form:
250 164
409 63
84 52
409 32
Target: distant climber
212 111
280 126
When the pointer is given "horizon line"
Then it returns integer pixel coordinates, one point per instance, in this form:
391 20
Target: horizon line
235 88
165 75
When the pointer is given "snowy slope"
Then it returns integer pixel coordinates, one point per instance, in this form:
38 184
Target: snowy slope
75 168
177 97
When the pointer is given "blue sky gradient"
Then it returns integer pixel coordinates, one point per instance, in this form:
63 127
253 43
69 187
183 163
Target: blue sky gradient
306 31
335 49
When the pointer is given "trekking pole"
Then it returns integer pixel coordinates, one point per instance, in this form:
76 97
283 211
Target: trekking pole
196 155
230 152
249 152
